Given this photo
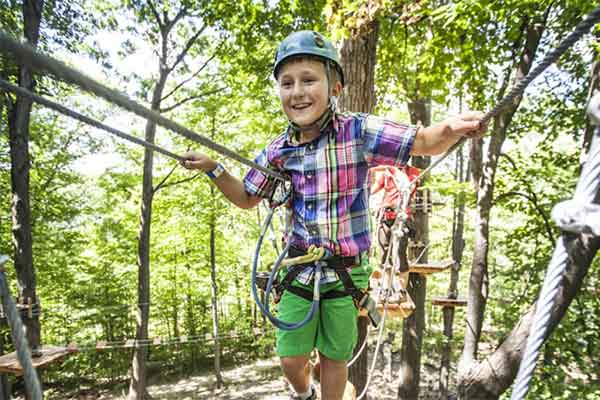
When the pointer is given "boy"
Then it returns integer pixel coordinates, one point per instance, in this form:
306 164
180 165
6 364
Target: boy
327 156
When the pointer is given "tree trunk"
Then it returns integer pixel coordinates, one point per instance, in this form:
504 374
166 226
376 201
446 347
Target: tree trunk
412 330
19 114
593 89
137 386
358 58
214 295
484 172
489 378
458 245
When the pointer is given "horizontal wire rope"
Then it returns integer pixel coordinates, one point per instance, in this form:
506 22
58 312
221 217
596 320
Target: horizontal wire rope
158 341
26 55
85 119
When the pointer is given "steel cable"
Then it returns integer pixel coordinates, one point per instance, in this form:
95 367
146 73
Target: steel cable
587 188
85 119
32 383
26 55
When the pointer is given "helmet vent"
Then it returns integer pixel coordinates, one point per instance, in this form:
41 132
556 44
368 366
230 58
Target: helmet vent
319 40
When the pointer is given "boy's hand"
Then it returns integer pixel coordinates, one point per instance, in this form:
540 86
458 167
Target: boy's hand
196 160
467 124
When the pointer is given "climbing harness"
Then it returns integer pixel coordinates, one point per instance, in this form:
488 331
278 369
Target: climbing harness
573 221
297 262
26 55
32 383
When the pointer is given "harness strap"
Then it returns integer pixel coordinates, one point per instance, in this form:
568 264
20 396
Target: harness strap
341 266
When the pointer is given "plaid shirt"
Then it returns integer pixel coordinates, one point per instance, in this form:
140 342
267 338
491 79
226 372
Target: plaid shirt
330 180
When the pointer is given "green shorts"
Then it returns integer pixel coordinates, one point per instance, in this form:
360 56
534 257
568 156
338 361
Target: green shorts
332 331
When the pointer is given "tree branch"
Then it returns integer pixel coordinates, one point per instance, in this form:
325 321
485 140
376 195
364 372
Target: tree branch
533 200
164 185
195 74
162 182
187 47
154 11
199 96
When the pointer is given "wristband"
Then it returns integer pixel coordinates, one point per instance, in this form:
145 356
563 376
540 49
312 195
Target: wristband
215 173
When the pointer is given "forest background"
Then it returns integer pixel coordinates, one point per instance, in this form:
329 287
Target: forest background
106 268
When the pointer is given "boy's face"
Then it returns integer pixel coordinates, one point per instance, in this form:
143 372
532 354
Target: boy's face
303 93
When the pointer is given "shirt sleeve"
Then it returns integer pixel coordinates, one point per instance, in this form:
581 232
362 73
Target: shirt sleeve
386 142
257 183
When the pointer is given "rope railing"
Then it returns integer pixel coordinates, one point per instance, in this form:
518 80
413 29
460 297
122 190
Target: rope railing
85 119
569 219
27 55
160 341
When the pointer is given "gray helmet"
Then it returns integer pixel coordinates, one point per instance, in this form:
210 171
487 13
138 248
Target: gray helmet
309 43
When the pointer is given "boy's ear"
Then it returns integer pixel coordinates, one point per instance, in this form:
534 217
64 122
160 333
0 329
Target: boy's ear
337 89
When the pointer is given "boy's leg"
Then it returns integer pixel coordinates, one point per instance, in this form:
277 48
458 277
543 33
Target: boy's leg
294 346
334 375
297 371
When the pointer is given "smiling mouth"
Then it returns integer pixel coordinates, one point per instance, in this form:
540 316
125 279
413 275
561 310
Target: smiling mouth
300 107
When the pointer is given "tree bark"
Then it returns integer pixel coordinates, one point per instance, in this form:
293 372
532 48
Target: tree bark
458 245
137 385
594 88
484 172
412 330
214 295
358 58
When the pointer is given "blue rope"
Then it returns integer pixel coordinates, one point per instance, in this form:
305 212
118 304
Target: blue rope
264 308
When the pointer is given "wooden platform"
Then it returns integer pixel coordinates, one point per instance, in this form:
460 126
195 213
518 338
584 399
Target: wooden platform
427 269
10 364
440 301
394 310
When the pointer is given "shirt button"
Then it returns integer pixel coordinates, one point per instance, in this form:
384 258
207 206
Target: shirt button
309 176
309 206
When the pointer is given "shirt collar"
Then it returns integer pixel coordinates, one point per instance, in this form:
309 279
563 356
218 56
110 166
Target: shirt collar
331 128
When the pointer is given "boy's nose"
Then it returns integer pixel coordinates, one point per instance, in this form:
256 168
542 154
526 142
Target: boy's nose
297 90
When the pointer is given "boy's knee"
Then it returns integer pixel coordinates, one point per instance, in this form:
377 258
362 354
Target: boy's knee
294 364
328 362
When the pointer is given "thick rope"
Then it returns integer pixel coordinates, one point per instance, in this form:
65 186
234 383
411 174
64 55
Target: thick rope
32 383
581 29
26 55
85 119
585 192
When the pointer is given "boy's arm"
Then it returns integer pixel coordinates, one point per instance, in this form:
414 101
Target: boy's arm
231 187
438 138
